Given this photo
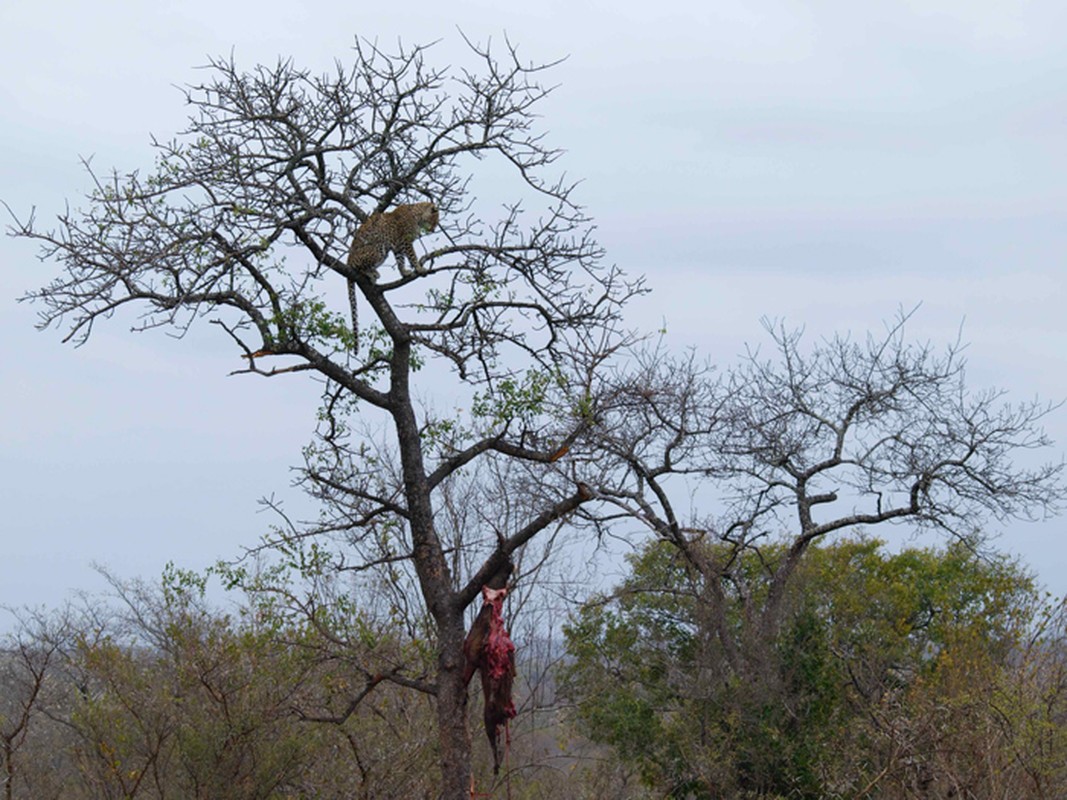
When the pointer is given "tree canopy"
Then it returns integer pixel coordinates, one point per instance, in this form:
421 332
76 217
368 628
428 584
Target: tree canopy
843 703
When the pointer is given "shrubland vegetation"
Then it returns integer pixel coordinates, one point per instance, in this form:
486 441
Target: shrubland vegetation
918 673
923 673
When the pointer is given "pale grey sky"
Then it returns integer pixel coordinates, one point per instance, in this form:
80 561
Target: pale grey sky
823 162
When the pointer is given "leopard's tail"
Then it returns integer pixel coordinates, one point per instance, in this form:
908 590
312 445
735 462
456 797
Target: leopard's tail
355 314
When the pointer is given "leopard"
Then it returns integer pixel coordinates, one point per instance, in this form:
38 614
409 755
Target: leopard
392 231
384 232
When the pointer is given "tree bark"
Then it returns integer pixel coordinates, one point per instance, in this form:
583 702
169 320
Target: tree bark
455 738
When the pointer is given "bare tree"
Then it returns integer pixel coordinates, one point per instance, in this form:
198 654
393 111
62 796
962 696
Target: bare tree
245 220
28 663
778 453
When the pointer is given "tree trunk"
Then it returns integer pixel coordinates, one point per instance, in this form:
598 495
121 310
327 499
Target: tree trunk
455 739
434 580
9 770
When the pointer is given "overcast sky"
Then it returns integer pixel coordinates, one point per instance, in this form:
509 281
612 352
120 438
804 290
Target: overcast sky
825 163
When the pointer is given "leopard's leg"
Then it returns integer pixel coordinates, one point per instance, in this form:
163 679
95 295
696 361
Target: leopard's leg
402 255
415 262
